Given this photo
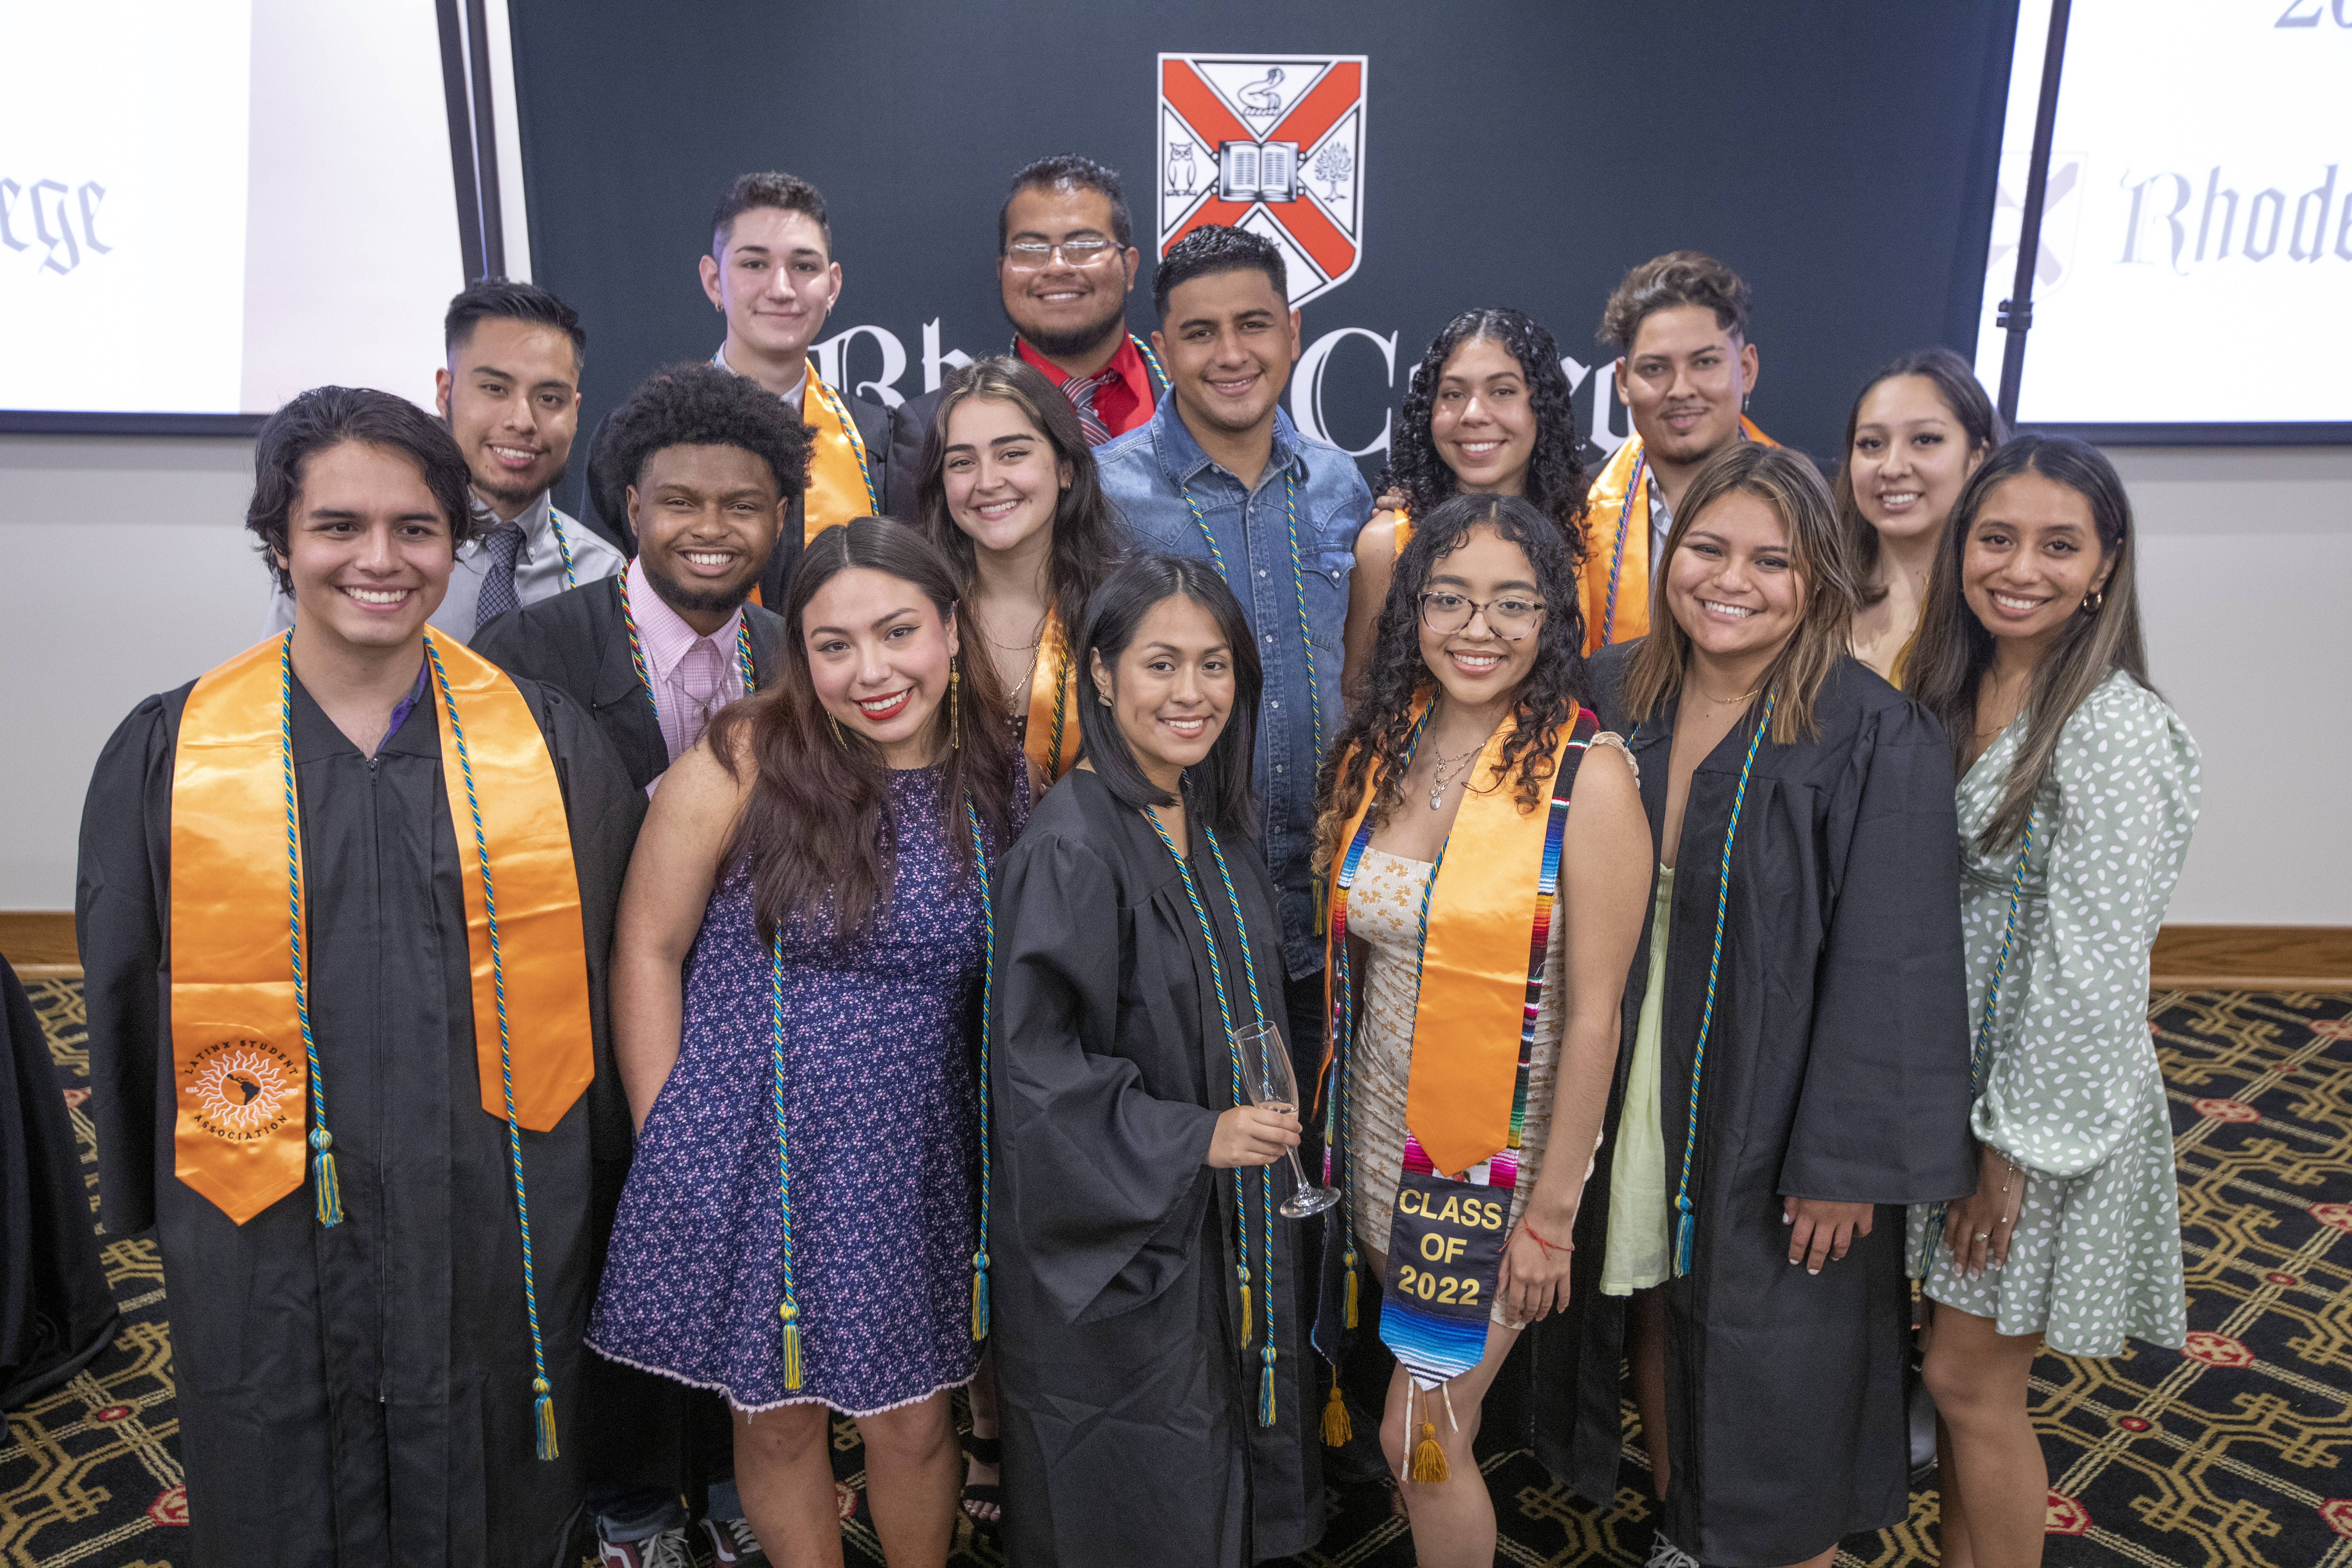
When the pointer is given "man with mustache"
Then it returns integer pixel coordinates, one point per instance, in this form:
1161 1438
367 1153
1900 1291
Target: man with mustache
1065 263
710 463
509 393
1684 370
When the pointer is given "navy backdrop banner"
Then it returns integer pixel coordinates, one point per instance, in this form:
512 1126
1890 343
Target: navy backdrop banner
1840 156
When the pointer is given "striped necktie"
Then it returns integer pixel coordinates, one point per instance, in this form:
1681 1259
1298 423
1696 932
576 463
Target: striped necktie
1081 390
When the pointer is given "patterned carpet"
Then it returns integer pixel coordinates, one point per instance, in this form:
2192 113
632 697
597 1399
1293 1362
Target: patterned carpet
2237 1452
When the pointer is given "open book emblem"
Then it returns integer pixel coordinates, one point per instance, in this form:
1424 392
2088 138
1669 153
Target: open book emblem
1272 143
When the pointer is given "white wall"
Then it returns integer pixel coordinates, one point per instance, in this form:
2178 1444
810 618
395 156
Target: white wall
124 569
2247 556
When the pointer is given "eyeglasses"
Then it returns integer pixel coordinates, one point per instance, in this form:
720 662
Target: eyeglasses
1508 619
1031 254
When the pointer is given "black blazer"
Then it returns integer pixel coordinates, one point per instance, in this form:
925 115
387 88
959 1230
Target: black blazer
915 417
607 506
577 643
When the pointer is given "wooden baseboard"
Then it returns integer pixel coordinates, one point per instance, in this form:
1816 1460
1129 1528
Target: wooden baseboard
2252 958
39 943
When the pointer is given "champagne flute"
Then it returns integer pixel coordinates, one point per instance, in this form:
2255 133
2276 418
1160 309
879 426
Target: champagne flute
1271 1084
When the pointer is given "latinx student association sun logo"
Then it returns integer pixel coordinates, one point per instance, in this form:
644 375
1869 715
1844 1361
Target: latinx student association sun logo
1272 143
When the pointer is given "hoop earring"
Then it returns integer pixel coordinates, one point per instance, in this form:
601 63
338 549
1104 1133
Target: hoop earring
955 713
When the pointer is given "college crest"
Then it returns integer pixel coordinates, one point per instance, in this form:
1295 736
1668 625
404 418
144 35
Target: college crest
1272 143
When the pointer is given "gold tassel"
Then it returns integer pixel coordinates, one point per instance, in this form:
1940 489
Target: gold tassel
543 1411
1249 1332
1351 1289
1428 1459
329 1190
1338 1430
792 1316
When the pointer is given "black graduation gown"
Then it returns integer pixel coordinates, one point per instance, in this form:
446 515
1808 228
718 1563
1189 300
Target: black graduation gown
1837 1067
1129 1417
56 1312
360 1394
577 643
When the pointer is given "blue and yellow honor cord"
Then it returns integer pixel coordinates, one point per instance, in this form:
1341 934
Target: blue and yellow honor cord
789 1309
544 1405
1687 1219
1266 1411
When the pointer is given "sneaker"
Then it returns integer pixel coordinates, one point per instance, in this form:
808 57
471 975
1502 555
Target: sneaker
1665 1554
732 1544
667 1550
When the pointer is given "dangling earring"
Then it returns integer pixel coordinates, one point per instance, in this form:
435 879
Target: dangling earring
955 713
1102 697
838 738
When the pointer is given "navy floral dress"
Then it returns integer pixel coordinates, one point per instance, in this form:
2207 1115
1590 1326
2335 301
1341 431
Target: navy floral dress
880 1042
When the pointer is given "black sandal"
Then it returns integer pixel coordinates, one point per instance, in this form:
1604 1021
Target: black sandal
989 1495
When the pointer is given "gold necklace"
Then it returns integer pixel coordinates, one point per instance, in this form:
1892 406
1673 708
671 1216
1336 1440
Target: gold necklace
1743 697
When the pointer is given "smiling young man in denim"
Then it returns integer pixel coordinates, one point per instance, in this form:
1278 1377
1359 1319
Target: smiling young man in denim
1220 473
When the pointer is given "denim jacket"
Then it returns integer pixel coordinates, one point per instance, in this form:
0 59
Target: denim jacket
1145 472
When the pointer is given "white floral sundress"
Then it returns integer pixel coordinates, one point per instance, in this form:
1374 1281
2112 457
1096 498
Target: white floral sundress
2073 1094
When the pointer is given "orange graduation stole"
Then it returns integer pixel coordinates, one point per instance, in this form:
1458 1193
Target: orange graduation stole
1051 736
840 484
1616 587
1489 906
241 1059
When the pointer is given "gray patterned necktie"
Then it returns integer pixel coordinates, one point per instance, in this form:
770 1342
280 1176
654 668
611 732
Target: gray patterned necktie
499 547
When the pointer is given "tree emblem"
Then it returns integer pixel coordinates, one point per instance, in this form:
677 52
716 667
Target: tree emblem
1333 165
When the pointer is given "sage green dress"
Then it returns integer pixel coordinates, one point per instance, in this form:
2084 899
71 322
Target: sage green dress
2072 1093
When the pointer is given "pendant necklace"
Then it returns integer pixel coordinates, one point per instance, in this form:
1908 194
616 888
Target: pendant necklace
1437 783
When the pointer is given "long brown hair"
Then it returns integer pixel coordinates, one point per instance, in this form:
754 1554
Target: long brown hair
1088 532
1378 741
1963 396
1787 482
816 826
1955 650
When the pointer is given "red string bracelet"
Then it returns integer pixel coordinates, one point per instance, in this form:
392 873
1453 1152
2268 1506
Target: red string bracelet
1549 1247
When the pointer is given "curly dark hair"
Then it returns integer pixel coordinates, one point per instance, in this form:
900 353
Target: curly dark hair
327 417
1377 742
701 405
1556 476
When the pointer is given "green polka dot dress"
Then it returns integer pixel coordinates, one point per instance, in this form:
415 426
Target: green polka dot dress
2072 1094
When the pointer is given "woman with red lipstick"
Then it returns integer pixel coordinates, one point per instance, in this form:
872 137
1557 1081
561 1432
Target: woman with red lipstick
1921 427
1486 413
2078 789
1794 1058
1150 1363
1010 493
1480 933
800 964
